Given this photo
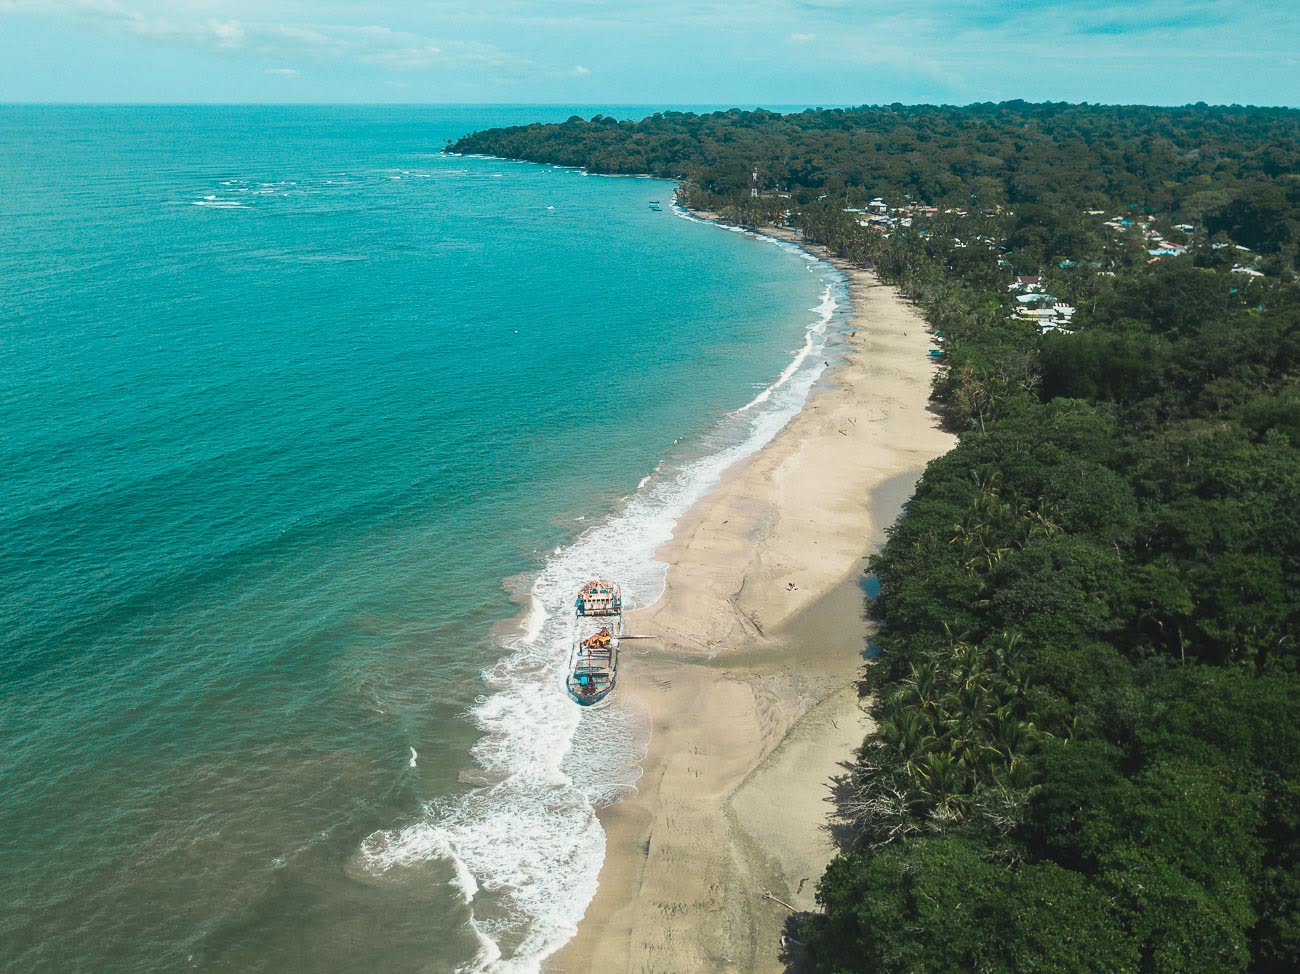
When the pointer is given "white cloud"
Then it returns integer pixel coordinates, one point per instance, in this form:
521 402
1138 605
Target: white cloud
403 58
228 33
382 46
954 50
282 72
308 37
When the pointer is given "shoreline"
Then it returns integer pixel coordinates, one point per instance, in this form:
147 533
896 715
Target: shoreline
751 686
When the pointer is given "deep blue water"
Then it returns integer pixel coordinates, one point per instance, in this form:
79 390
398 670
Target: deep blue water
296 412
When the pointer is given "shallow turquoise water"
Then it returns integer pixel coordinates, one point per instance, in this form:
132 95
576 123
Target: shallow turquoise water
285 396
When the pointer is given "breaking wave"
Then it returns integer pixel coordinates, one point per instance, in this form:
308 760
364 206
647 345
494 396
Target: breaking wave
524 844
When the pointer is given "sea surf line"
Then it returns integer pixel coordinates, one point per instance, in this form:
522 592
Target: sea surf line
524 843
268 466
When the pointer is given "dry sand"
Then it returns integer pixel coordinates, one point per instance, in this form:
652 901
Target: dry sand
750 685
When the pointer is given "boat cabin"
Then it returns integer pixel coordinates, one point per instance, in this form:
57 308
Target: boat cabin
599 598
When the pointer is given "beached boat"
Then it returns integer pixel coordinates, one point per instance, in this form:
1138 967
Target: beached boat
593 662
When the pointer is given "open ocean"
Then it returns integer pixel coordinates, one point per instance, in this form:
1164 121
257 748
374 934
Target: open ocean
308 434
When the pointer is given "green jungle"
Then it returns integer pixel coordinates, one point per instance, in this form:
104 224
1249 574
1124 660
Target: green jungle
1086 697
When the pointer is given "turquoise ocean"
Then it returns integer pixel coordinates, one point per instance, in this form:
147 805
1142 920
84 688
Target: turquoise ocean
308 434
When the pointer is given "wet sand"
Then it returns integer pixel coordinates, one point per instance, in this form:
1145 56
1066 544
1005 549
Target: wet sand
750 685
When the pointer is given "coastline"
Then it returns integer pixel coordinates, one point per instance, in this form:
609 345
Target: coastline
751 686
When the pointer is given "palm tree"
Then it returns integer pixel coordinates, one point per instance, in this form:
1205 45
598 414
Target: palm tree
1018 682
966 744
1015 774
968 664
988 478
1012 736
941 779
1038 517
1007 649
922 685
972 699
971 532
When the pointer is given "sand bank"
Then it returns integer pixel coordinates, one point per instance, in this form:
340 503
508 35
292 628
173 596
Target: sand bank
750 685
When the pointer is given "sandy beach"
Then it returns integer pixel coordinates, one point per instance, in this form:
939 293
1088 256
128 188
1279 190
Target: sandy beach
750 684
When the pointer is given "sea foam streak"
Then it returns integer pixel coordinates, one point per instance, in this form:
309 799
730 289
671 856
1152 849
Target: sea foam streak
526 847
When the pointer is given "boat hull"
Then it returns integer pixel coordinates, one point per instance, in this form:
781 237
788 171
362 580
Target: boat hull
593 674
582 701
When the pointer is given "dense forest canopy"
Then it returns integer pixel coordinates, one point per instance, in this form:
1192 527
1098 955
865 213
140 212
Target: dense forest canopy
1086 753
1230 168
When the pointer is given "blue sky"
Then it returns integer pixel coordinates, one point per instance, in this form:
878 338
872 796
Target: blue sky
773 52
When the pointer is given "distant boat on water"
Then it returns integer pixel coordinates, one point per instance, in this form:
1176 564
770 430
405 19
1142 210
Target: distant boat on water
593 662
654 205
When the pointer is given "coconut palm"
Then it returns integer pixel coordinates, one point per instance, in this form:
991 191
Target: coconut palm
903 732
922 686
988 478
1011 736
1007 649
942 780
972 700
966 743
1015 774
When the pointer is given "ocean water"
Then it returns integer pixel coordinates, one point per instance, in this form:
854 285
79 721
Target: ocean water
308 433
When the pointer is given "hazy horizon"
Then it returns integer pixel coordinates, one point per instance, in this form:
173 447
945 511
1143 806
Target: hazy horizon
647 106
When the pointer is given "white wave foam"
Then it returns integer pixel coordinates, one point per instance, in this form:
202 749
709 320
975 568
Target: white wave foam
534 619
648 477
526 846
826 314
414 756
604 760
383 851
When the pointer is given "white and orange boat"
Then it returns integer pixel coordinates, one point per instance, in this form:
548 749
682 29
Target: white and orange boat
593 663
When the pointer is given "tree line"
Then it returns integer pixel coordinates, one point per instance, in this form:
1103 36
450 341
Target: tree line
1232 169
